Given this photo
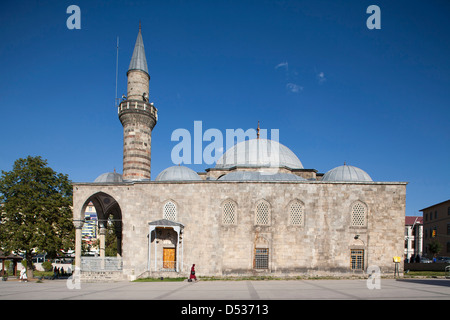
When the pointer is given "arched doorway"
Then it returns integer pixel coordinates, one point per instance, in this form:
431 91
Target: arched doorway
109 217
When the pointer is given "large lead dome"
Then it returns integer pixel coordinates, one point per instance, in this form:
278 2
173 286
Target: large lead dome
259 153
109 177
346 173
178 173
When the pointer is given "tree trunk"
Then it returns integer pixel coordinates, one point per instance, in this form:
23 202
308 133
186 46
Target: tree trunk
29 258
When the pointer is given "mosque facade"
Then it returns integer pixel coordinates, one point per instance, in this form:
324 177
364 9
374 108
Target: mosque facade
253 213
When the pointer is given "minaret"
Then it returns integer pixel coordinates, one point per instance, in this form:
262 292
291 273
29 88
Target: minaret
138 117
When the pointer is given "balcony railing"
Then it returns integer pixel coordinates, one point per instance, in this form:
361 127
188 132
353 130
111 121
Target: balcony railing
138 105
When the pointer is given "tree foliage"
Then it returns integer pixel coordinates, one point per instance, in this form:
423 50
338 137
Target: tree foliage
36 209
110 240
434 247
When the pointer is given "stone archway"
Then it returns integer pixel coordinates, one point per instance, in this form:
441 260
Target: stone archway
107 209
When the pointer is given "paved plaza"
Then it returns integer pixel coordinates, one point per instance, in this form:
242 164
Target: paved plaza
389 289
274 299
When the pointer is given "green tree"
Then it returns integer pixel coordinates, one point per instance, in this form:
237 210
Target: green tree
36 212
110 240
435 247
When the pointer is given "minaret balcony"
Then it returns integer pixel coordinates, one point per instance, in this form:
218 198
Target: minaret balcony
139 106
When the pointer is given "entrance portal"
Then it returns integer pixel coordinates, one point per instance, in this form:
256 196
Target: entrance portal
165 246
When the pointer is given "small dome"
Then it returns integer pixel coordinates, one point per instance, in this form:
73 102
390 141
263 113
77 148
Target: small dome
109 177
178 173
259 153
258 176
346 173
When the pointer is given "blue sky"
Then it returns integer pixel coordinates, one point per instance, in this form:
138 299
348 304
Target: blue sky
337 91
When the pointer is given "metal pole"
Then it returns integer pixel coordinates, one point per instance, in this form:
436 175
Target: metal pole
117 67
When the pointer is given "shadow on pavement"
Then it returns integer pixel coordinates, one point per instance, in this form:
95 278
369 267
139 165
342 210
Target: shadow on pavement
433 282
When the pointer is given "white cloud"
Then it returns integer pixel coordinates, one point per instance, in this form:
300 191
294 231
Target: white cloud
290 76
321 77
282 64
294 87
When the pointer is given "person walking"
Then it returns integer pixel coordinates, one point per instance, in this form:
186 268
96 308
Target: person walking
23 275
192 276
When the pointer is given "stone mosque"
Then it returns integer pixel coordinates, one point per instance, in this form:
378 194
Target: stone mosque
239 218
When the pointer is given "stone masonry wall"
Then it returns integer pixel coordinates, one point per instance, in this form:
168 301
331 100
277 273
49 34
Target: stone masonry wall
137 85
321 246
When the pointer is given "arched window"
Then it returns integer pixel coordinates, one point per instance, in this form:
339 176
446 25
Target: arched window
170 211
296 213
229 212
359 213
262 213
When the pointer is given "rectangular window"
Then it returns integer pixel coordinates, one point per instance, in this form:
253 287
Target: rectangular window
357 259
261 258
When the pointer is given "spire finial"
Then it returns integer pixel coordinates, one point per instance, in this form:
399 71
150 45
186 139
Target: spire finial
138 61
257 131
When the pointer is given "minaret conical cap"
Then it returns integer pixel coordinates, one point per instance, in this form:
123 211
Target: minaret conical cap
138 60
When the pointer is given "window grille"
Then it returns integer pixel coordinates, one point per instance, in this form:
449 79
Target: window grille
357 259
358 215
261 258
296 213
170 211
229 213
262 213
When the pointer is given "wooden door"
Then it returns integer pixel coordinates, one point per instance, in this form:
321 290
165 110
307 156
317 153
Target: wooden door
169 258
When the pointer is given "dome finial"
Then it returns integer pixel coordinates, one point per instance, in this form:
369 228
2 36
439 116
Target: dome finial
139 25
257 131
